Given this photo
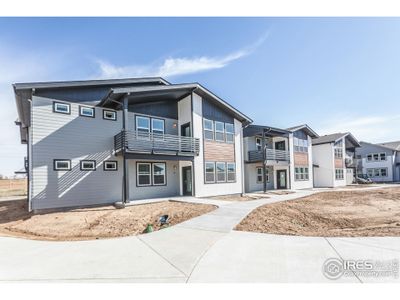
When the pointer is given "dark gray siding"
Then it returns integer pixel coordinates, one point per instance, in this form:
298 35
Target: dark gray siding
165 109
213 112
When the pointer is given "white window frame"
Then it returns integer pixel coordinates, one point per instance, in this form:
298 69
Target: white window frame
82 114
57 168
113 162
60 104
219 131
380 156
386 171
230 172
85 161
258 144
157 131
205 172
370 157
301 173
230 133
266 174
114 113
208 130
153 174
218 172
339 174
143 174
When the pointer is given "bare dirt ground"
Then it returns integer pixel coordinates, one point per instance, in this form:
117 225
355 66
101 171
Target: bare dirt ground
238 197
13 187
331 214
92 223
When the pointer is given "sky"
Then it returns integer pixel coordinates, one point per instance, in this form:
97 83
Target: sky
334 74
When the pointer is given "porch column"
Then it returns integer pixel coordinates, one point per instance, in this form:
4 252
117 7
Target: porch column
125 196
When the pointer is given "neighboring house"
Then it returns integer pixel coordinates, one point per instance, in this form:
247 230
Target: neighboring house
286 162
380 162
333 159
102 141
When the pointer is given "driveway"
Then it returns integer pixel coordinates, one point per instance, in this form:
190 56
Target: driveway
204 249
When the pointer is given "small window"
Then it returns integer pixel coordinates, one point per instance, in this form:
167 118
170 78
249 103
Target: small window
260 175
258 144
221 172
157 126
230 132
370 172
88 165
231 171
110 165
219 131
376 156
159 174
85 111
109 115
143 174
382 156
210 172
369 157
62 165
143 127
208 129
62 108
384 172
339 174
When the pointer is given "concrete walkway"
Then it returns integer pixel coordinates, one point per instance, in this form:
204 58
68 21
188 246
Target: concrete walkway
203 249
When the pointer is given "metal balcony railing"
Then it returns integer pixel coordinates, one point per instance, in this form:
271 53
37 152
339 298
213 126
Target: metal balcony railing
156 143
271 154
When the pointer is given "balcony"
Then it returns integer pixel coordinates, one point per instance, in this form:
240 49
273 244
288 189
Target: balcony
271 154
156 143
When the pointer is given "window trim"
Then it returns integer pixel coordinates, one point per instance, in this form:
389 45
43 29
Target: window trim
138 174
300 173
266 175
205 172
109 119
216 171
157 119
87 161
88 107
378 154
55 103
336 173
227 171
380 172
209 130
219 131
152 174
55 161
110 170
230 133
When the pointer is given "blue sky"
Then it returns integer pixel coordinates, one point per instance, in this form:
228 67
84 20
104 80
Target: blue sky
336 74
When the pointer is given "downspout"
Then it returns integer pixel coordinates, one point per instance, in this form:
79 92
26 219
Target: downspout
264 156
125 196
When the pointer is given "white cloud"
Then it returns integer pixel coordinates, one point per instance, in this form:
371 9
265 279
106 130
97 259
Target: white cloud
176 66
371 128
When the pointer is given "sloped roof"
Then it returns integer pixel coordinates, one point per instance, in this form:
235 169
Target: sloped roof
253 130
304 127
331 138
391 145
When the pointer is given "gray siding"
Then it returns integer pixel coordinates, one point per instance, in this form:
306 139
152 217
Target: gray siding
251 184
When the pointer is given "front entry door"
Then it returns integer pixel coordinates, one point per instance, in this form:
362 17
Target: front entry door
281 179
187 181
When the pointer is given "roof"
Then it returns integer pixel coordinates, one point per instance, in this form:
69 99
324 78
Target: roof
332 138
391 145
378 145
253 130
169 92
304 127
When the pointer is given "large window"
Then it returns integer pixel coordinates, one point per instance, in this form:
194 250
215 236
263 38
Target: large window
376 156
230 132
143 174
208 129
260 175
301 173
231 172
300 145
219 132
62 164
210 172
339 174
159 174
62 108
221 171
377 172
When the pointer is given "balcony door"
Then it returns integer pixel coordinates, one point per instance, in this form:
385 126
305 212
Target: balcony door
185 130
280 145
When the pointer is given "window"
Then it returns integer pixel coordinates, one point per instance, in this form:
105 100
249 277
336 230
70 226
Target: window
62 108
143 127
157 126
109 115
384 172
208 129
377 172
159 174
230 132
369 157
231 171
110 165
280 145
210 172
260 175
258 144
62 165
301 173
300 145
376 157
143 174
219 131
370 172
382 156
88 165
339 174
221 172
338 153
85 111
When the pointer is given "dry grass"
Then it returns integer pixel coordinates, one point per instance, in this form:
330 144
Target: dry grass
92 223
13 187
347 213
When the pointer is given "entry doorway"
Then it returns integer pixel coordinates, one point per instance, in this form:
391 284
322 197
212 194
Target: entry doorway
281 182
187 182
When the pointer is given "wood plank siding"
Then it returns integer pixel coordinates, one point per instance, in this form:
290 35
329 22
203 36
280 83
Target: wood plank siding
338 163
300 159
217 151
